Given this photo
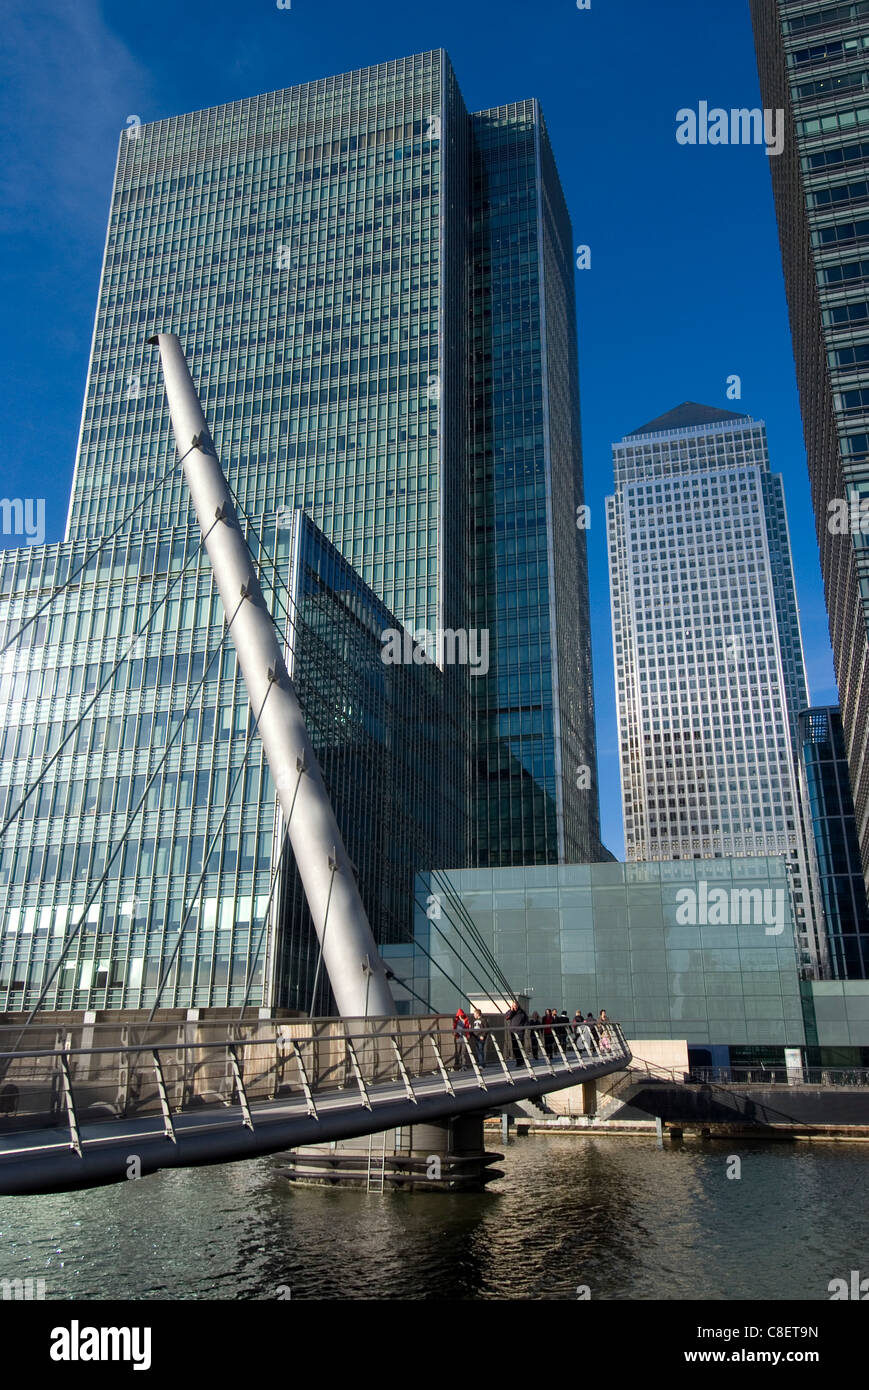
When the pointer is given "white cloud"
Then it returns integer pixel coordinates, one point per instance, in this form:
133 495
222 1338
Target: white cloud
67 85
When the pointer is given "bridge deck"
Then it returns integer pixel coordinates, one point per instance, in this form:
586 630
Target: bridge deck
93 1152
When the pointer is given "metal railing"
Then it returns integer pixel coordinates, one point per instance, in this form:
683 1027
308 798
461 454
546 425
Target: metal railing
165 1071
780 1076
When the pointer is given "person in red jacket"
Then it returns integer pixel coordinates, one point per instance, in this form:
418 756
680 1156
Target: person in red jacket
461 1029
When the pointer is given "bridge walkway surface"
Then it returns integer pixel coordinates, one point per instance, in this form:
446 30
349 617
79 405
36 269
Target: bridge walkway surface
182 1104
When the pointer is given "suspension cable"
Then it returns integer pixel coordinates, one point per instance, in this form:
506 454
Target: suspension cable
84 713
195 897
476 935
126 831
55 593
462 961
496 974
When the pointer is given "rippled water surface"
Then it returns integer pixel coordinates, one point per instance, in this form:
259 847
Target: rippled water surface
626 1219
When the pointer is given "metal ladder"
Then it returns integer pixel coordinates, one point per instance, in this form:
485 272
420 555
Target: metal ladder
372 1171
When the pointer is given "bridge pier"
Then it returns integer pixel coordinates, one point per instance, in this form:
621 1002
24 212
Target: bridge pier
446 1155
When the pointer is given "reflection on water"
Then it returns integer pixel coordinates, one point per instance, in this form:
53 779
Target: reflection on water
619 1215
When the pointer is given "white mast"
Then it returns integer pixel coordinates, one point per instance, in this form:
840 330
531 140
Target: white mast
356 972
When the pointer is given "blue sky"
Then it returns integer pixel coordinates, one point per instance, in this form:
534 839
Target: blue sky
685 285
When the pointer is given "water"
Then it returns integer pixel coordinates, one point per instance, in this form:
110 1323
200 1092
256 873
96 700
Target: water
620 1216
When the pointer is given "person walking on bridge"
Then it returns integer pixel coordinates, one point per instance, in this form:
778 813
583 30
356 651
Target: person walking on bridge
517 1021
461 1029
548 1040
478 1036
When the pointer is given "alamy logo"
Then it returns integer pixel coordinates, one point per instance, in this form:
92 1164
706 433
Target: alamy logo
24 517
858 1289
738 907
739 126
848 516
446 647
22 1289
76 1343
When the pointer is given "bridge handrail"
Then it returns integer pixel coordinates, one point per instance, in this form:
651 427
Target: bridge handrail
779 1076
159 1076
350 1031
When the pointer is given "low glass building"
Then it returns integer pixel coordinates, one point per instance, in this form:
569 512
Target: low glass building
379 731
703 950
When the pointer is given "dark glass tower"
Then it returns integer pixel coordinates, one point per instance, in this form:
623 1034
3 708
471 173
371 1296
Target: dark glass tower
827 792
535 782
813 59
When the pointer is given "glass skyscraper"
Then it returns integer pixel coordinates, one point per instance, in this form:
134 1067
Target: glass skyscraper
813 60
827 795
374 293
708 652
535 773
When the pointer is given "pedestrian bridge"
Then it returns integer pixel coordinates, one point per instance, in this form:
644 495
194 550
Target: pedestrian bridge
107 1102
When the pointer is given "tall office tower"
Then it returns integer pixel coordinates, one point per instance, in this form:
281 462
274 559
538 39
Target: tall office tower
534 781
827 796
320 251
708 653
314 249
813 59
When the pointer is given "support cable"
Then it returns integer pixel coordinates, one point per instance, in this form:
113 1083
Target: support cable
462 961
101 881
475 934
215 837
285 839
86 711
55 593
484 965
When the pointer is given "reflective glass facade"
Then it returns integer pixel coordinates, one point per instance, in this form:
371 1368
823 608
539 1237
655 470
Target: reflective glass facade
813 61
613 936
382 736
57 849
378 732
536 796
839 876
298 245
375 292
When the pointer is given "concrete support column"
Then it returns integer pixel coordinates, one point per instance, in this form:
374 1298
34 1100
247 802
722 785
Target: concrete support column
589 1099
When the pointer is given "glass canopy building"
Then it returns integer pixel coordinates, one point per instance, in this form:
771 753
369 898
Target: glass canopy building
640 940
813 61
708 653
374 293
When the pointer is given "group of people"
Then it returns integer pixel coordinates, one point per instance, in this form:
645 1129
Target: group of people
588 1033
